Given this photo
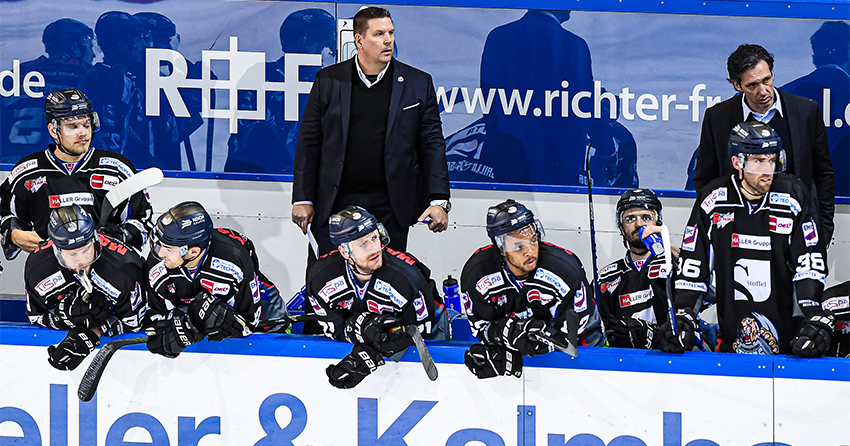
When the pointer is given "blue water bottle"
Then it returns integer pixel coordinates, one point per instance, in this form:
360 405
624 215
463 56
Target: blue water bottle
652 242
451 294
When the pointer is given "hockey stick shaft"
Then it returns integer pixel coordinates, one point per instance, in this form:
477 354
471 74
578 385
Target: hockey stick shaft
567 348
424 355
592 220
127 188
668 266
90 380
266 325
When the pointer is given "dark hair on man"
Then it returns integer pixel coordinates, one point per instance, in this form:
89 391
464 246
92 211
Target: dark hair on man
831 44
744 58
361 19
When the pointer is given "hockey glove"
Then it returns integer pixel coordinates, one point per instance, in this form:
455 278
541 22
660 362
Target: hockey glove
362 361
117 232
76 312
630 333
69 353
218 319
487 361
171 336
370 329
814 338
516 334
687 325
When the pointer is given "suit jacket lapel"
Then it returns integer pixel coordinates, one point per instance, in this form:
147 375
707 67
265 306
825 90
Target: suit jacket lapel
395 97
792 116
345 85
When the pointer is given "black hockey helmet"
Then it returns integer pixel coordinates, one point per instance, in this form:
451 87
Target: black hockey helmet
638 198
185 225
69 103
756 138
352 223
117 32
160 27
509 216
70 227
59 36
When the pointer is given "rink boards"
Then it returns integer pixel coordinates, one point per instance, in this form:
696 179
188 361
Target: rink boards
272 390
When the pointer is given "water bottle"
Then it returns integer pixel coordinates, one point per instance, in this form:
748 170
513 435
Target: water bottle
652 242
451 294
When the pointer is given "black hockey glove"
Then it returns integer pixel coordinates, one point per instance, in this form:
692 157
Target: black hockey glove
631 333
117 232
171 336
218 319
69 353
487 361
76 312
814 338
362 361
371 329
687 325
516 334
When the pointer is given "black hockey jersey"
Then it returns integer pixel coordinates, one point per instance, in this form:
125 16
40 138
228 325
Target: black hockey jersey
118 275
41 182
627 291
769 262
490 293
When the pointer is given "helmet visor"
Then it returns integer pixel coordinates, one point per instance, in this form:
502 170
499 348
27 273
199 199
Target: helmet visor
763 163
522 238
76 259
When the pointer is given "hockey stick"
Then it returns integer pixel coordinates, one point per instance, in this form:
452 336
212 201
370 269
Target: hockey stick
88 385
567 348
671 308
592 222
125 189
424 356
268 324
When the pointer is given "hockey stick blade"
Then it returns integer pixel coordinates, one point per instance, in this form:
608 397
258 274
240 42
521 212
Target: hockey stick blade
424 356
127 188
88 385
567 348
268 324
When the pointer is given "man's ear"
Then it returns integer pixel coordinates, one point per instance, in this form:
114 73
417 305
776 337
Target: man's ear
737 86
52 131
342 251
193 252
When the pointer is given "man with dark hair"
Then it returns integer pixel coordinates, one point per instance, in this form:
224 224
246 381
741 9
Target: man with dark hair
371 136
797 120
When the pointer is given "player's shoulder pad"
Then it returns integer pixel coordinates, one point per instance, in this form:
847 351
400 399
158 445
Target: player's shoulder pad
719 193
395 266
26 164
330 264
612 270
115 160
233 235
485 260
230 248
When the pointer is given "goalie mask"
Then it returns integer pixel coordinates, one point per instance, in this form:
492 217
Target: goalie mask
75 242
510 216
184 226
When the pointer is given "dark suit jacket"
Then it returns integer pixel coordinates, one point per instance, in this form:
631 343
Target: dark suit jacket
415 151
812 163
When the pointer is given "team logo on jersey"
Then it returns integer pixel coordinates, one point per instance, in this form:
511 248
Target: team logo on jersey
810 232
536 295
332 286
377 308
35 184
756 336
105 182
345 304
221 289
689 242
785 200
489 281
499 299
552 279
386 289
638 297
316 307
708 203
721 220
21 168
752 279
123 168
781 225
48 284
81 198
105 286
226 267
581 299
757 242
419 306
609 286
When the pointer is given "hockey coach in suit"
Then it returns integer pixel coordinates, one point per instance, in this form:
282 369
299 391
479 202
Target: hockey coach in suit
371 136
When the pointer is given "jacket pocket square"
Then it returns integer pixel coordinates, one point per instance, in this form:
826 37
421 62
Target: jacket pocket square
411 106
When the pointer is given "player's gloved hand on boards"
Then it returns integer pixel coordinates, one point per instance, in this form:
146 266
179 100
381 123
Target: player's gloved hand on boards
487 361
516 334
630 333
171 336
687 325
814 337
370 328
74 311
218 319
69 353
117 232
362 361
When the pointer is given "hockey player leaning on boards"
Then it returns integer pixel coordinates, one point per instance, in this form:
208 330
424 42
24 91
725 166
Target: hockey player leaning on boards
85 282
519 286
633 298
758 229
364 291
69 171
204 281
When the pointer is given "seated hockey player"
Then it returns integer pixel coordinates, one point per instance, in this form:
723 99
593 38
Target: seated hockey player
757 229
85 282
204 281
519 286
364 293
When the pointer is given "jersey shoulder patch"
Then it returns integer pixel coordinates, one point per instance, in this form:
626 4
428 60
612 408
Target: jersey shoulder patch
388 290
489 282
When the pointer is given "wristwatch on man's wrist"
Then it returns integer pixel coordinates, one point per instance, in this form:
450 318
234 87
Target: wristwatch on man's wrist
445 204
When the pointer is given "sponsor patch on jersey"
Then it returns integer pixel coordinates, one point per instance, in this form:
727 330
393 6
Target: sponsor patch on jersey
386 289
466 302
419 306
222 289
105 182
756 242
536 295
656 271
551 278
81 198
114 162
781 225
689 242
581 299
255 288
377 308
721 220
316 307
21 168
608 269
156 272
609 286
836 303
638 297
105 286
345 304
682 284
227 267
332 286
708 203
753 276
136 297
499 299
809 274
489 281
784 199
48 284
810 232
35 184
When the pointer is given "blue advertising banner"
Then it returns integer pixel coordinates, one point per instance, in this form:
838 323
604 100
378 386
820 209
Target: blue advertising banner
201 85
